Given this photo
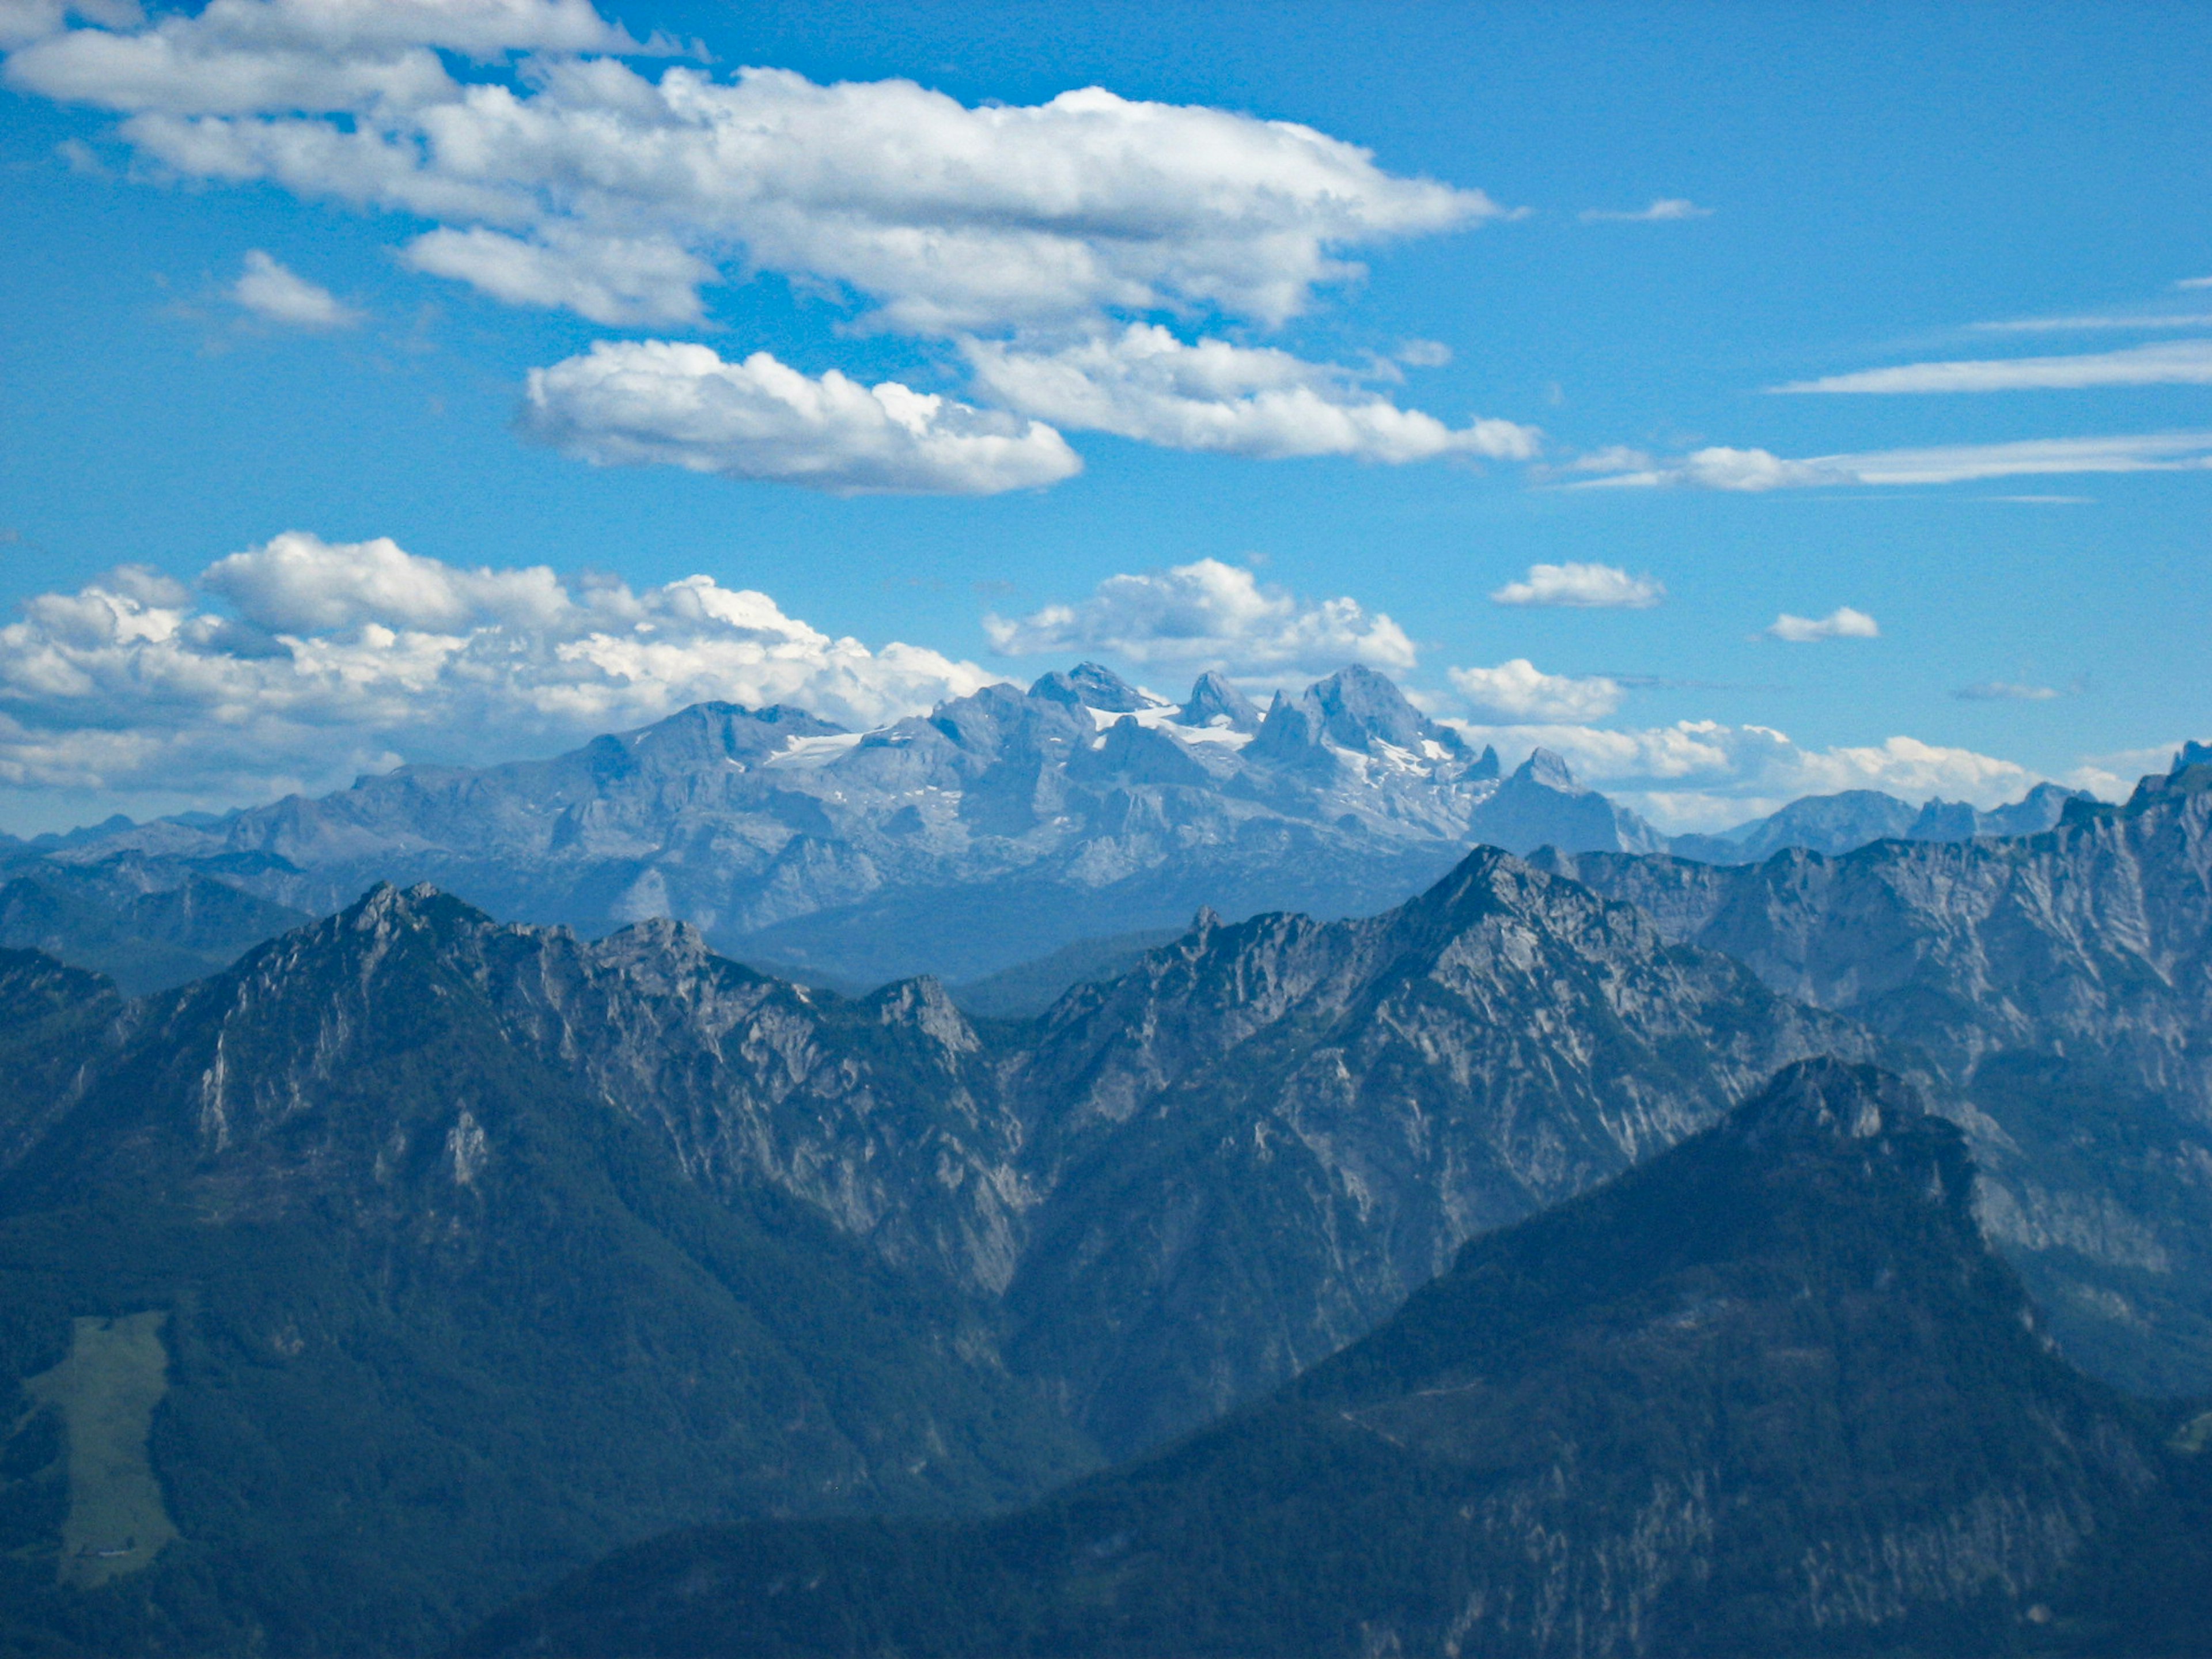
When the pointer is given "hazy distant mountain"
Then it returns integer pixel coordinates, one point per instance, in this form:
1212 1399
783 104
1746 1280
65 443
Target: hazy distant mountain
2064 981
1840 823
1003 829
1769 1393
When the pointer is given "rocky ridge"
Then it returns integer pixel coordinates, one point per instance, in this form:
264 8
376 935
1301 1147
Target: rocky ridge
1004 827
2062 984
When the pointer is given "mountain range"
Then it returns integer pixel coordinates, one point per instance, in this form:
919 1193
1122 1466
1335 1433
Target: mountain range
1768 1393
2062 984
572 1241
1004 827
417 1257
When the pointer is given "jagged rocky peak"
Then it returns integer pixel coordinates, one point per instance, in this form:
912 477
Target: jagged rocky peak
2192 753
1551 770
1214 702
1358 706
1825 1103
1093 687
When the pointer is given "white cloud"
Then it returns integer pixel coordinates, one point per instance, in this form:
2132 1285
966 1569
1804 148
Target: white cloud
242 57
1748 471
1841 623
2145 321
22 21
1701 775
1758 469
1209 614
1144 383
949 219
2004 691
656 403
621 282
1586 586
2195 281
2172 363
2113 777
271 292
1664 210
333 658
1518 690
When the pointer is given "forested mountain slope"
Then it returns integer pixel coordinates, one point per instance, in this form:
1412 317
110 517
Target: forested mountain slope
1769 1392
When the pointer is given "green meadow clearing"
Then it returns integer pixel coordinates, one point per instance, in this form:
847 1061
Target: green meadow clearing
116 1373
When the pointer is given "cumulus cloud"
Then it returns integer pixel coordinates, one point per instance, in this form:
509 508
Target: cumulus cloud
1705 775
299 663
276 295
2172 363
630 403
1146 384
1208 615
1519 690
1752 470
946 218
1841 623
1664 210
1585 587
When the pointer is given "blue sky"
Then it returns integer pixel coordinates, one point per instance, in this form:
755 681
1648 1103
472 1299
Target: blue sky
1178 430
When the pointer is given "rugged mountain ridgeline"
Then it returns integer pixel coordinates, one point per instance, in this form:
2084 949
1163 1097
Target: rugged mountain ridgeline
414 1318
1004 827
2062 984
1768 1393
474 1249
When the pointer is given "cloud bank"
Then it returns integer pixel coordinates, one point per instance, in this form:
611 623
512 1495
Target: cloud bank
1706 775
943 218
295 665
1209 614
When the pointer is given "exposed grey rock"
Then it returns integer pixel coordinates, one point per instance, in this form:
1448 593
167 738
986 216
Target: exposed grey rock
2063 981
1003 827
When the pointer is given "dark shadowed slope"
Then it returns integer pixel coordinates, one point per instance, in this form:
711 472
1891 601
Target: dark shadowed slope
1768 1393
2063 983
427 1319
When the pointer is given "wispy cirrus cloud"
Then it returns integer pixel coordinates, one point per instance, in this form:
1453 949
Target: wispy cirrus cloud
2176 363
1758 469
2143 322
1665 209
2005 691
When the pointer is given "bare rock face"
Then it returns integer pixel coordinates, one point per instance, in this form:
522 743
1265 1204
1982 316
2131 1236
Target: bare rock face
2063 981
